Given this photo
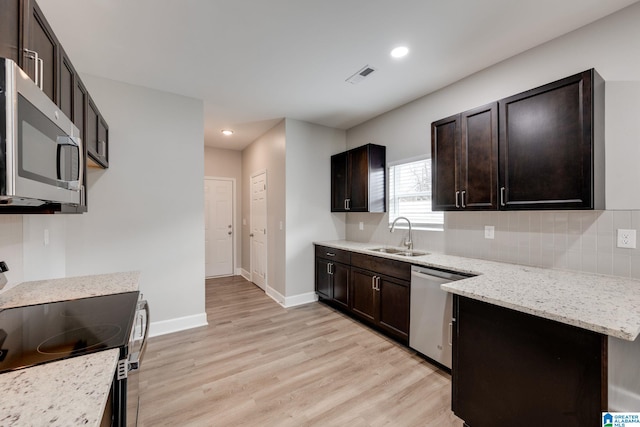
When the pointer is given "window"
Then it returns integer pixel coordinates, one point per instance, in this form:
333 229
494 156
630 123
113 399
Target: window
410 194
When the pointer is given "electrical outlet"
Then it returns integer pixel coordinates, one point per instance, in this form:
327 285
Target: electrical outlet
361 225
489 231
626 238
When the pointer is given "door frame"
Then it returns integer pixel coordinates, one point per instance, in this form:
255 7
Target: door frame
266 225
233 219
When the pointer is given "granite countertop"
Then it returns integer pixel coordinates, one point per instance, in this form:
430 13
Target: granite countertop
605 304
70 392
66 392
51 290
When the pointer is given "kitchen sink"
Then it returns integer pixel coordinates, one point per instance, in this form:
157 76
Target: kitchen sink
402 252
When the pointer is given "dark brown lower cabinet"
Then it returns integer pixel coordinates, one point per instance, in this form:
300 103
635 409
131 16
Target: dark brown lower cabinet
373 289
382 301
363 294
514 369
341 274
332 276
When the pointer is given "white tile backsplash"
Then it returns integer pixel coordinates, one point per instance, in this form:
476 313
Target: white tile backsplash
568 240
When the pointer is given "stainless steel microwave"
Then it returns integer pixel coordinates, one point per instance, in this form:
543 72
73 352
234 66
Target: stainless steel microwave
41 153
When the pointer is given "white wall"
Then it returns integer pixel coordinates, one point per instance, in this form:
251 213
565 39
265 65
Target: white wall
582 241
11 248
267 153
146 212
308 196
221 163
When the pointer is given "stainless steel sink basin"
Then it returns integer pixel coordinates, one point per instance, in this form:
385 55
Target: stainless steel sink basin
402 252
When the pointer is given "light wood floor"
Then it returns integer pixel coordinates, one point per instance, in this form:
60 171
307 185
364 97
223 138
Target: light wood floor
258 364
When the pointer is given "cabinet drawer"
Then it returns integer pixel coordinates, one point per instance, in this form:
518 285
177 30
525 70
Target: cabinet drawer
336 255
389 267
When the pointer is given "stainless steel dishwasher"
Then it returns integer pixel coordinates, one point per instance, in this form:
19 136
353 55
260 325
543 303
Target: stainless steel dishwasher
431 312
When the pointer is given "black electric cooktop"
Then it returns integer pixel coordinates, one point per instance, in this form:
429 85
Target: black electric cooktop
42 333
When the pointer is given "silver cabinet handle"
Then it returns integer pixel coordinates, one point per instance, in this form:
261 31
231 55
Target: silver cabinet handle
502 193
450 333
373 282
378 283
330 254
346 207
457 195
32 54
102 148
41 67
462 198
328 268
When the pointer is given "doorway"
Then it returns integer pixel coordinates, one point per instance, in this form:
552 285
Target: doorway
258 234
219 200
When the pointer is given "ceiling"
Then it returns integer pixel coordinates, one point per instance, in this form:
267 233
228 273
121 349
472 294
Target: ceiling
254 62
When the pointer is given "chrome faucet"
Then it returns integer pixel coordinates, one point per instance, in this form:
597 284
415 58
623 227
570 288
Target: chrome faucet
408 241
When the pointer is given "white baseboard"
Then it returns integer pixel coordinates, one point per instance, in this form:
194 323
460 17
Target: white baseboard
622 400
164 327
291 301
244 273
275 295
300 299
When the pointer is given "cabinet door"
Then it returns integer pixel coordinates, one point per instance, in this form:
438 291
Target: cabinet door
80 108
478 176
339 177
10 30
393 307
546 146
341 284
511 368
358 192
67 86
445 152
363 294
323 278
103 142
93 116
39 37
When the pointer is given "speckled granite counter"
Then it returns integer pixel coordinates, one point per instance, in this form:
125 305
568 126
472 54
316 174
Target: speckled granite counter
605 304
68 392
43 291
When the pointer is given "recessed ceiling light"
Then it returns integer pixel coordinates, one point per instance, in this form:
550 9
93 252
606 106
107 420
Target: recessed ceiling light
227 132
400 51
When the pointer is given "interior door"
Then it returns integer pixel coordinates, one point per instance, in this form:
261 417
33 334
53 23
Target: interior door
218 196
259 229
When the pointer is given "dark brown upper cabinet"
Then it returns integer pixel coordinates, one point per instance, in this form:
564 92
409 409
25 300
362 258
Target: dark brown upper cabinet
552 146
41 50
358 179
97 137
548 153
27 38
464 152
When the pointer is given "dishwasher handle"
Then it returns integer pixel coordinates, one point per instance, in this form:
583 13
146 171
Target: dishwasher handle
440 275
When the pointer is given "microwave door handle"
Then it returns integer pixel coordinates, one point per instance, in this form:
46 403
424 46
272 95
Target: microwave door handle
82 164
74 142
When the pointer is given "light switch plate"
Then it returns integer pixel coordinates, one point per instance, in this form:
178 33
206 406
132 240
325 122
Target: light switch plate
361 225
626 238
489 232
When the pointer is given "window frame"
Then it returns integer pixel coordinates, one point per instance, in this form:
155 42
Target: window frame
392 202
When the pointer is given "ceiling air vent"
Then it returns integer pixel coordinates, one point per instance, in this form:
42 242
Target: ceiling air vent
361 74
